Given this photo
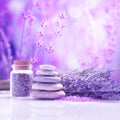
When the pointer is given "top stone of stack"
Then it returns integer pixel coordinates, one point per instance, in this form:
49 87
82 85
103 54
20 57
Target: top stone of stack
47 67
47 73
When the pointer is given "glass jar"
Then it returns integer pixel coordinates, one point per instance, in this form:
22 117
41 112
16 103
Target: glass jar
21 78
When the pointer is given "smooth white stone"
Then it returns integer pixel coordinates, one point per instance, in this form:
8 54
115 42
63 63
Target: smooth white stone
47 67
47 95
47 73
47 79
48 87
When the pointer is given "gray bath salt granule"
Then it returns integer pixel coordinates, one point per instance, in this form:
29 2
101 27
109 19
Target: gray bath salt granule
21 84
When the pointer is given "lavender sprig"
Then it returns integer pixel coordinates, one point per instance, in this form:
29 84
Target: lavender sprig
28 6
5 53
92 82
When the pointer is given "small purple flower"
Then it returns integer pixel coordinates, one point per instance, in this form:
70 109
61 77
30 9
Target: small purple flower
62 16
50 48
40 34
38 43
34 59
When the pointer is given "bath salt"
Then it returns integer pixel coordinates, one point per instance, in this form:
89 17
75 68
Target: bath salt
21 78
21 84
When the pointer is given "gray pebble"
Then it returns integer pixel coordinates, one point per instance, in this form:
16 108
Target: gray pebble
48 87
46 73
47 67
47 79
47 95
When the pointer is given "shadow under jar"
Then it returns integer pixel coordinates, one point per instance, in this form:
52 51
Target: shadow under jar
21 78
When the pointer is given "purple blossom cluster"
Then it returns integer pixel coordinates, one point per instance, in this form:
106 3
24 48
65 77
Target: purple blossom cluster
57 26
92 82
45 28
5 56
7 47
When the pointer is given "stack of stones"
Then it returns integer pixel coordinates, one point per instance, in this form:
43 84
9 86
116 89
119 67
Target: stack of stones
47 84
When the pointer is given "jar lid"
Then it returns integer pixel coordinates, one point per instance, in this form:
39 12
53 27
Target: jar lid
21 65
21 62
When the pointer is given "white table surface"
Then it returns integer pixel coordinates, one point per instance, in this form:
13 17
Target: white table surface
28 109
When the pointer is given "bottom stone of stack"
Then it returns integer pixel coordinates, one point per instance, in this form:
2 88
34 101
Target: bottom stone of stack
36 94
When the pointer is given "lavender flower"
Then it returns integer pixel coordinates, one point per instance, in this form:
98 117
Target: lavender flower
95 83
40 29
6 57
